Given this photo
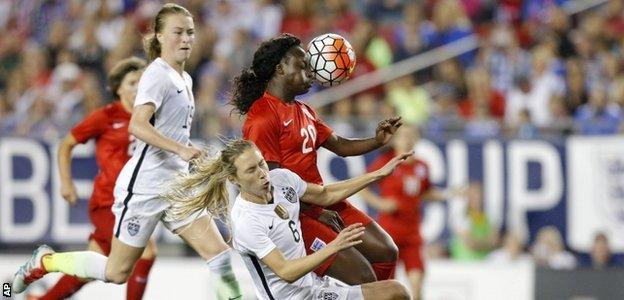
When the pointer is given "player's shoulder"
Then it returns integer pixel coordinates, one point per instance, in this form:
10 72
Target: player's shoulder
262 106
155 71
280 176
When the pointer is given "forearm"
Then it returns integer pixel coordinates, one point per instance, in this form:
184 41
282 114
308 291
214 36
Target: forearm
297 268
435 194
64 161
352 147
371 199
148 134
338 191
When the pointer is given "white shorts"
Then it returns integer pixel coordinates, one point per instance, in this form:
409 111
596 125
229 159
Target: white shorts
136 216
334 289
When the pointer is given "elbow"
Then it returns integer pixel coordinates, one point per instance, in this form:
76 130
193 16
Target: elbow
132 127
287 276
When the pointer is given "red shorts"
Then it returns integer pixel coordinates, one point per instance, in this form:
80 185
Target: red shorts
410 254
316 234
103 219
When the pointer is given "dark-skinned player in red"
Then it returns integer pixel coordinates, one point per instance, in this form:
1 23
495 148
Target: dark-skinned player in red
109 127
288 133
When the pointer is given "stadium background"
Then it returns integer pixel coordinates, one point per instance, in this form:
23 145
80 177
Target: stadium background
524 97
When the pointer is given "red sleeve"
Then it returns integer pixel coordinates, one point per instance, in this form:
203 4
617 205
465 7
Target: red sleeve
92 126
323 131
426 181
262 129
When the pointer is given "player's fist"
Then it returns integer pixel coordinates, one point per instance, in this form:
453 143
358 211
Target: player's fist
68 191
348 237
189 152
386 128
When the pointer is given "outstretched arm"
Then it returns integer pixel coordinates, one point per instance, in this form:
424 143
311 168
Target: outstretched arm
350 147
332 193
68 189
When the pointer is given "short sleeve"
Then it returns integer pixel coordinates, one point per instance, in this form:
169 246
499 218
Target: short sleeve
425 178
263 130
295 182
254 238
92 126
151 87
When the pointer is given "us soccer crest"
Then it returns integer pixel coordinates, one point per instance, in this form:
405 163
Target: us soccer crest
289 194
133 226
328 295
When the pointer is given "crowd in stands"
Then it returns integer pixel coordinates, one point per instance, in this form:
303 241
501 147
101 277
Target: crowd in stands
538 72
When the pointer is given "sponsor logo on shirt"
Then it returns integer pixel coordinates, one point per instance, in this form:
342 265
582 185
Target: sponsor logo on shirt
118 125
327 295
288 122
317 245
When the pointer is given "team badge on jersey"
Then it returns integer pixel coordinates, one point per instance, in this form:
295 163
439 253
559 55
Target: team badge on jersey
281 212
317 245
328 295
133 226
289 194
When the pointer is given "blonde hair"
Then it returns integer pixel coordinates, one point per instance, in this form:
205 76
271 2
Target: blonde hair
150 42
205 186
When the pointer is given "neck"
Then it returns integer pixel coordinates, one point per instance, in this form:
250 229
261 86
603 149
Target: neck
126 106
178 66
278 91
264 199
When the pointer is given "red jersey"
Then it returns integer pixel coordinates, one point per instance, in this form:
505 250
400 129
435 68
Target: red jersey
288 134
405 185
109 126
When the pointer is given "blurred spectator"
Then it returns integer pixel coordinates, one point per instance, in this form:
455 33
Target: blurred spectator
480 93
576 92
341 120
474 237
511 251
411 35
482 125
548 250
601 252
451 24
412 102
444 120
598 116
525 128
504 58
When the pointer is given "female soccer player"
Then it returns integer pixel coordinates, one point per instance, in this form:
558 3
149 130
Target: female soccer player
161 121
109 127
289 132
399 203
265 222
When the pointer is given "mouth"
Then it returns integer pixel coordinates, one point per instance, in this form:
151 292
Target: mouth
266 185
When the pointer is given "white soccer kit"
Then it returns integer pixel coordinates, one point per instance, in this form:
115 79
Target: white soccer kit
259 228
138 207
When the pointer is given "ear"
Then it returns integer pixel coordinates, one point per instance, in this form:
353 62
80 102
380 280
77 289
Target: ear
159 37
233 180
279 69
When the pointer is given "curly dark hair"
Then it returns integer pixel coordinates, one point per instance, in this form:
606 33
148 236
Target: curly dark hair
252 82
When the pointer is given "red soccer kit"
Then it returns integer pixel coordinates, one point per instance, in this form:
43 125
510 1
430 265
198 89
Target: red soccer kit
289 134
109 126
405 185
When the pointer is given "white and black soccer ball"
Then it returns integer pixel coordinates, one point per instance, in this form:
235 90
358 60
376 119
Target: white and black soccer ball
331 58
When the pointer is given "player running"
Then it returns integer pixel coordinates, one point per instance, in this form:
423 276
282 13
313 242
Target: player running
399 203
289 132
161 121
109 127
265 222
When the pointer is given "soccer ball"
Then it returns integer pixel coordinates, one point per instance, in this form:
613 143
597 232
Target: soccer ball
331 58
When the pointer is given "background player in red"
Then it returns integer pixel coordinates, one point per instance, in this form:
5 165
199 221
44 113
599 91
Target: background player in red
399 203
289 132
109 127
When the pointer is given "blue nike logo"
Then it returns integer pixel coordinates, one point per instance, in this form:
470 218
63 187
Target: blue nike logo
271 226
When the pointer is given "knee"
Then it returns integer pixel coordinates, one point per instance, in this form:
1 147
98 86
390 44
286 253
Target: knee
398 291
150 251
117 276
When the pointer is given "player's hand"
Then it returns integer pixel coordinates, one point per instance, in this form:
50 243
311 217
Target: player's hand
331 219
386 128
68 191
348 237
189 152
389 167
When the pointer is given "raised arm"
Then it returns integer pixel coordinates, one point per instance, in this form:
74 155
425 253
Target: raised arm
292 270
142 129
333 193
68 189
351 147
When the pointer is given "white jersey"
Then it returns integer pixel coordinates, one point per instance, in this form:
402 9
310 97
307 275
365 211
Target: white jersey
257 230
172 95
